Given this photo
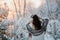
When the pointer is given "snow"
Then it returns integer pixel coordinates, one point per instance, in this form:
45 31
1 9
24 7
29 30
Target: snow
53 27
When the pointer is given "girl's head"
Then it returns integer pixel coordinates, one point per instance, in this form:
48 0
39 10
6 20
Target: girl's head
35 17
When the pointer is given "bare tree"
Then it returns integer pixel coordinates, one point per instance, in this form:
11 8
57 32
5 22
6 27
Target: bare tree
24 7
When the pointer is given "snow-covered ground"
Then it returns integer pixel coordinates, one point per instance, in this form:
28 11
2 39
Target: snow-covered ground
49 9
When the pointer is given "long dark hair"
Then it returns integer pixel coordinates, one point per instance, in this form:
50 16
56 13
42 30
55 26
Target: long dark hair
36 22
